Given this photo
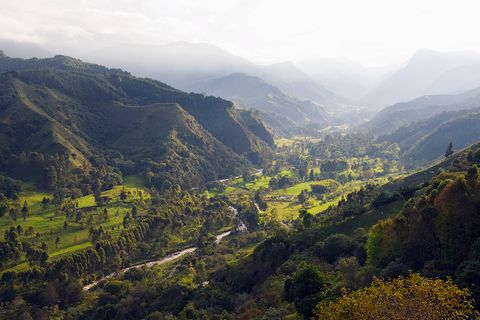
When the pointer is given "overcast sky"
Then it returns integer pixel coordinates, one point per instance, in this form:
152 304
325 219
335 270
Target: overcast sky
372 32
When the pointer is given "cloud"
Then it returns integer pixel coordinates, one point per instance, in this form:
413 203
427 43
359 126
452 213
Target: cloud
372 31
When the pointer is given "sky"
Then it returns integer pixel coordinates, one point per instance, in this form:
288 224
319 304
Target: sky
371 32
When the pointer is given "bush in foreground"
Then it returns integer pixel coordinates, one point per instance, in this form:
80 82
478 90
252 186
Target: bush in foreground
412 298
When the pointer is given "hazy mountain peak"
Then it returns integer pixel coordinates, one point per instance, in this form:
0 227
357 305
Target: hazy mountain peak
416 77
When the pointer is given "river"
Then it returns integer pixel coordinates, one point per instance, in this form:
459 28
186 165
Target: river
241 227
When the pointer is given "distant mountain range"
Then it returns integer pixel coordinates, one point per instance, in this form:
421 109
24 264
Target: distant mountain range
340 86
401 114
427 72
251 91
344 77
83 111
184 64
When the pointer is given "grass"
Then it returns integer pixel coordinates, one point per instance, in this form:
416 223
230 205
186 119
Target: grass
286 172
48 220
289 208
284 142
297 188
261 182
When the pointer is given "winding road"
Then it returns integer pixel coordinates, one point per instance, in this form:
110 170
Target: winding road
241 227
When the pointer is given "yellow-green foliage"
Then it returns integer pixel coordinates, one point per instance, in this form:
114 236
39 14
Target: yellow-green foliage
411 298
375 240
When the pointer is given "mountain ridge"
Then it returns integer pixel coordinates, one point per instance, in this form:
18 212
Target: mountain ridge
80 107
254 92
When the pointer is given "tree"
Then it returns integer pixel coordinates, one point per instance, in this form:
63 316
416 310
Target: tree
305 288
303 196
13 214
126 219
273 184
312 175
49 295
30 231
123 195
45 202
449 150
472 174
467 275
258 198
413 298
57 242
134 212
246 176
336 246
25 210
78 216
4 206
105 215
306 218
19 230
36 256
348 268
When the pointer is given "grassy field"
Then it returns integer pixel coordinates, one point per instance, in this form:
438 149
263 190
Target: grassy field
283 204
48 220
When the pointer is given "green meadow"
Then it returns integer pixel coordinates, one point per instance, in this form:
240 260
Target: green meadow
48 220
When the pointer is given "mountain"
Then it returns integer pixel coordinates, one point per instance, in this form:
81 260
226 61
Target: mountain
296 83
254 92
404 113
426 140
184 64
83 112
418 78
344 77
458 79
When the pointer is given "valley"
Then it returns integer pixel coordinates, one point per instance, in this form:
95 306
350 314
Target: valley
122 197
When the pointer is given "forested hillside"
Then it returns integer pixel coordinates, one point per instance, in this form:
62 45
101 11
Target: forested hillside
424 141
86 116
405 113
